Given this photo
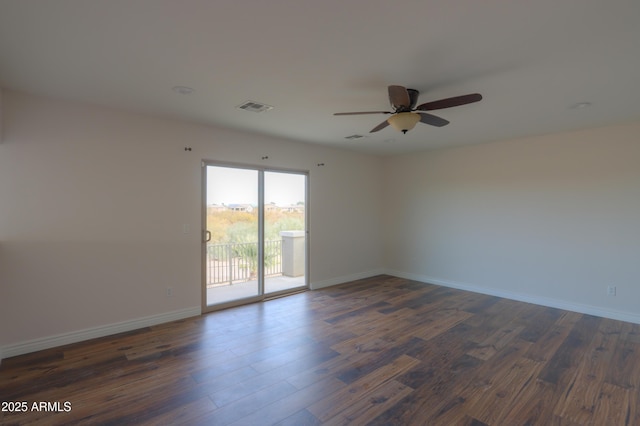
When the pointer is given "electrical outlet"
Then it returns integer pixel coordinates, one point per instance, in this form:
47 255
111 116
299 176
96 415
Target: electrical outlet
611 290
169 291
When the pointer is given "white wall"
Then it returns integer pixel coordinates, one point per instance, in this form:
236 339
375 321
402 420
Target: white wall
92 203
551 219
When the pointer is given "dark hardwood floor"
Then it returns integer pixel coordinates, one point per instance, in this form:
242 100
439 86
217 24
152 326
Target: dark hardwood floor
379 351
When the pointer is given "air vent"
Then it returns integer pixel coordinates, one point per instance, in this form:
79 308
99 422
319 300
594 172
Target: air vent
354 137
254 106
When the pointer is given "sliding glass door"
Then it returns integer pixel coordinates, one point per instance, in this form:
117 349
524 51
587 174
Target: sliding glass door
255 234
285 231
232 234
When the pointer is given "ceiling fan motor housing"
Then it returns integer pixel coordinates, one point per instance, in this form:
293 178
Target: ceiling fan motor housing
413 98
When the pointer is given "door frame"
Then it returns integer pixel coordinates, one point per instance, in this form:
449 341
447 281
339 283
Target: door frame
261 279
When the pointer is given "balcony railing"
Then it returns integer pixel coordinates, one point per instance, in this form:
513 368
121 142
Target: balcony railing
238 262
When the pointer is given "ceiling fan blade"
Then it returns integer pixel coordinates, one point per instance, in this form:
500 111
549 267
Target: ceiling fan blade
399 97
450 102
380 126
433 120
363 112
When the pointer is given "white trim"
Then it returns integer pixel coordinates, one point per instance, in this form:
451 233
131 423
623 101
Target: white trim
521 297
106 330
91 333
1 139
345 279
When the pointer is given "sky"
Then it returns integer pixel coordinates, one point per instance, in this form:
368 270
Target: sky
227 185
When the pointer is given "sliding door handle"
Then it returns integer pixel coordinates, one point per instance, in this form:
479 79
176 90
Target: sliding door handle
206 236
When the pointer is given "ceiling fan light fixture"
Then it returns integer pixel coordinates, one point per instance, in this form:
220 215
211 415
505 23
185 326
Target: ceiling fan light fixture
404 121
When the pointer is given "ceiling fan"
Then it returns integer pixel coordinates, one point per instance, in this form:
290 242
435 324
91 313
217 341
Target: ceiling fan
406 114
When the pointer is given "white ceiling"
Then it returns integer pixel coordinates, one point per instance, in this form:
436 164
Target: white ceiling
531 60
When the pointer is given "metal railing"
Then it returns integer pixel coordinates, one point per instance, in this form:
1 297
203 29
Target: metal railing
238 262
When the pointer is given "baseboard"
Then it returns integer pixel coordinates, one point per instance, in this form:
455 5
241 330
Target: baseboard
106 330
537 300
92 333
345 279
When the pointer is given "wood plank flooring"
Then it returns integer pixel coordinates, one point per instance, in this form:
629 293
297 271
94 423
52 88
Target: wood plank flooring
378 351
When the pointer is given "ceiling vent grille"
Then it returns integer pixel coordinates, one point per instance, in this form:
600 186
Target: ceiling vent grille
254 106
354 137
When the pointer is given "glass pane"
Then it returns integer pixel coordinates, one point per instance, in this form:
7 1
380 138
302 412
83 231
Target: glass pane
284 231
232 219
